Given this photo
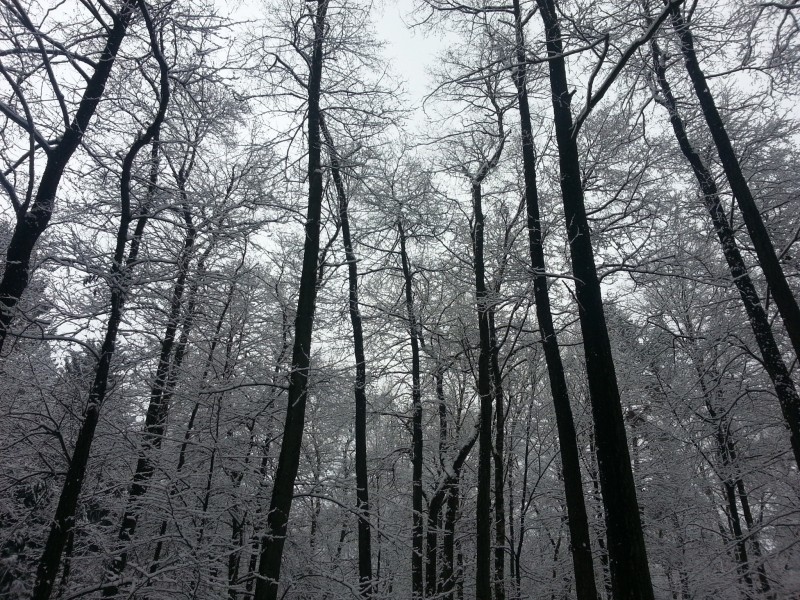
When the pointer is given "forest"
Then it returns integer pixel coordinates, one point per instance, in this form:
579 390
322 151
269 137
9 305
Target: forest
275 325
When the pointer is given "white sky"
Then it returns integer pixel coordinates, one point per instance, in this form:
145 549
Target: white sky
409 50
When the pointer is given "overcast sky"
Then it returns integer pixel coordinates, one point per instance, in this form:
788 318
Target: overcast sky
409 50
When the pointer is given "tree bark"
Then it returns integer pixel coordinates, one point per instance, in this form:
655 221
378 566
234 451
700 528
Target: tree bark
289 458
33 220
630 572
362 482
578 521
767 258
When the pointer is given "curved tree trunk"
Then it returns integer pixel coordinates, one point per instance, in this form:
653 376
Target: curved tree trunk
118 278
157 410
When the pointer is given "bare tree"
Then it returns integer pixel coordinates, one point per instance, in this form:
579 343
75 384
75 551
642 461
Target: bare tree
767 257
771 355
630 572
283 487
118 281
576 507
33 210
362 475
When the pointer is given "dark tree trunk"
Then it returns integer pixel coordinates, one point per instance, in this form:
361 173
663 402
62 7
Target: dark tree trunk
451 575
630 572
64 519
752 534
578 521
489 380
66 571
158 408
735 524
417 540
770 265
33 220
759 321
483 565
439 501
436 519
499 464
289 458
362 492
193 415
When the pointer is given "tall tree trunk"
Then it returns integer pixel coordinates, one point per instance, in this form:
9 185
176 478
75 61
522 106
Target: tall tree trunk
289 458
578 521
483 570
33 220
158 408
362 493
630 572
767 258
64 519
483 559
499 463
418 524
436 518
195 409
752 534
759 321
